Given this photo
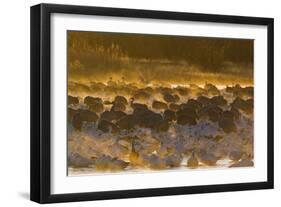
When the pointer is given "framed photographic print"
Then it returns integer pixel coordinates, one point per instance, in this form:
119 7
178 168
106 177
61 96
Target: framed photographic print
133 103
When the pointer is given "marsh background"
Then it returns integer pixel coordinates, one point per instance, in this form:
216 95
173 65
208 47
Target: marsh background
159 58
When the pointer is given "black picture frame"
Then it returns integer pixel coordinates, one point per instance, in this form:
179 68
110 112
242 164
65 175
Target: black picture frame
41 97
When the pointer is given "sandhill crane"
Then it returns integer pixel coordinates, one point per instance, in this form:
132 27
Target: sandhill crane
72 100
159 105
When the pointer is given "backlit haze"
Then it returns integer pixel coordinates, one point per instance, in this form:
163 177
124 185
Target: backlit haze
158 59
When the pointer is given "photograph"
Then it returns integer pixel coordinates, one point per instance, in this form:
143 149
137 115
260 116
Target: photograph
143 103
122 100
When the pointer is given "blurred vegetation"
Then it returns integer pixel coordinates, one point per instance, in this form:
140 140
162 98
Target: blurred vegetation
91 52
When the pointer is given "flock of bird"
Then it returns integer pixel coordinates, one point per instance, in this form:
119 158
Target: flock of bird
159 127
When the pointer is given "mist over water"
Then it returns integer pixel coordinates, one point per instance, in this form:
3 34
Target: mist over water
148 59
